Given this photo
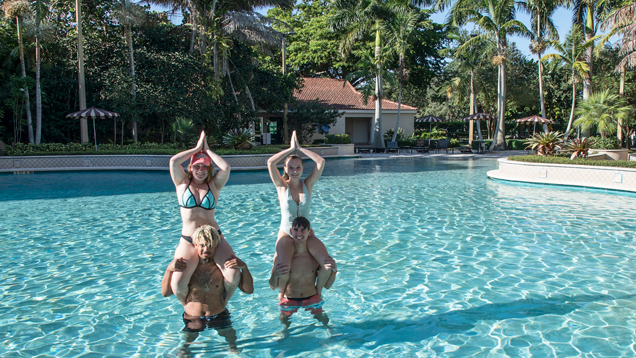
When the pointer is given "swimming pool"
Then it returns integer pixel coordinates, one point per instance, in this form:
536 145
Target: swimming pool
434 260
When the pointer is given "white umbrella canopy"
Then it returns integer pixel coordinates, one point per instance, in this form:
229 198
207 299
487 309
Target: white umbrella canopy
430 119
479 117
93 113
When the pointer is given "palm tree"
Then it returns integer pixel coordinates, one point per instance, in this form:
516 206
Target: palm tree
130 15
469 55
399 29
622 21
602 110
359 19
543 31
571 52
41 31
497 19
18 9
586 13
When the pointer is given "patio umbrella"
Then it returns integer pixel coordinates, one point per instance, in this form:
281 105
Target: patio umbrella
93 112
430 119
535 119
479 117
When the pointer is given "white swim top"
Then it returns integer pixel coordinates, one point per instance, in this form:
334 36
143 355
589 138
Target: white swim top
290 210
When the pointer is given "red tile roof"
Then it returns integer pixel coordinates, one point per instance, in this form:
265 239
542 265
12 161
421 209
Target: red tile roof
333 94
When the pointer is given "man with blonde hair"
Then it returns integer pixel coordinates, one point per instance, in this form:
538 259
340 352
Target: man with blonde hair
209 290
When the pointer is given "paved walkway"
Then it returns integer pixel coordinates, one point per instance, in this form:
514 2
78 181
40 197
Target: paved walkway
457 155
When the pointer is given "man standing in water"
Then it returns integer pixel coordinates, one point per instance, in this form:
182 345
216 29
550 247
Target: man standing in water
300 291
206 300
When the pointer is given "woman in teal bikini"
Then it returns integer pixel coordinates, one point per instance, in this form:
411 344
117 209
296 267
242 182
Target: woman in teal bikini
198 192
294 196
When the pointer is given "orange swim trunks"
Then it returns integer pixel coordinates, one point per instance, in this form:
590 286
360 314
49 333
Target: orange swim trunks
288 306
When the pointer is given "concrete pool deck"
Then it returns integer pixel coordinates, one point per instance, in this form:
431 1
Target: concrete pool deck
33 164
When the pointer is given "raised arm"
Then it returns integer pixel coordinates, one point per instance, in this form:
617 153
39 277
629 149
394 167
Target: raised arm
312 179
176 265
221 176
247 282
176 170
277 179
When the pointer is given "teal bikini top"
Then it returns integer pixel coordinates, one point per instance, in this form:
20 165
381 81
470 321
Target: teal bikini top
188 201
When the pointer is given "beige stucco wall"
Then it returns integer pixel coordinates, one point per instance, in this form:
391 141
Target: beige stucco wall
407 120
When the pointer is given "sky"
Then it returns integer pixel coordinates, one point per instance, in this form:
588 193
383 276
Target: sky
562 19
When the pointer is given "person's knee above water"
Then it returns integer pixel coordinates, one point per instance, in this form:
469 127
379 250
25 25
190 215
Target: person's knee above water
206 298
301 291
294 195
197 194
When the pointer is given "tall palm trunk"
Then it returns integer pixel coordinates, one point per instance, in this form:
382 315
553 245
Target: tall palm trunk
132 71
193 21
621 93
545 126
589 53
397 120
567 130
499 137
471 125
26 90
376 133
38 90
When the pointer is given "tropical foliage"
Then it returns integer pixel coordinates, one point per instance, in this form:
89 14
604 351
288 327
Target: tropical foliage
545 143
577 148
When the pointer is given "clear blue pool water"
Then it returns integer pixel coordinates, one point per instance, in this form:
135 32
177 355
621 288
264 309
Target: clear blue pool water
434 260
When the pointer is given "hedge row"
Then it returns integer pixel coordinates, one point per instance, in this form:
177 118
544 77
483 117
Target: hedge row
113 149
511 144
577 161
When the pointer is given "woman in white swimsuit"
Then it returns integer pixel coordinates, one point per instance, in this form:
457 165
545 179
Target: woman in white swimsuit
294 196
198 192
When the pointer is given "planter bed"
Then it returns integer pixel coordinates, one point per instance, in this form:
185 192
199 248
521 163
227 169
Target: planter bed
587 176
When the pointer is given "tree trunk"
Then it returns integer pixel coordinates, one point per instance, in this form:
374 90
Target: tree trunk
38 91
397 120
132 74
376 134
499 137
569 128
471 128
545 126
193 34
26 90
621 93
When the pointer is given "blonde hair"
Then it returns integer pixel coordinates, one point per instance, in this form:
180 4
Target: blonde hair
293 156
210 172
206 235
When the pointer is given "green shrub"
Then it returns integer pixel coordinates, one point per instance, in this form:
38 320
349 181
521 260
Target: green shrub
487 143
454 143
148 148
578 161
337 139
605 143
239 139
406 143
511 144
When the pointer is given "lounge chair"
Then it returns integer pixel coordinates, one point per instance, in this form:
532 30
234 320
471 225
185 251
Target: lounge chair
363 149
442 144
420 146
392 147
465 150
